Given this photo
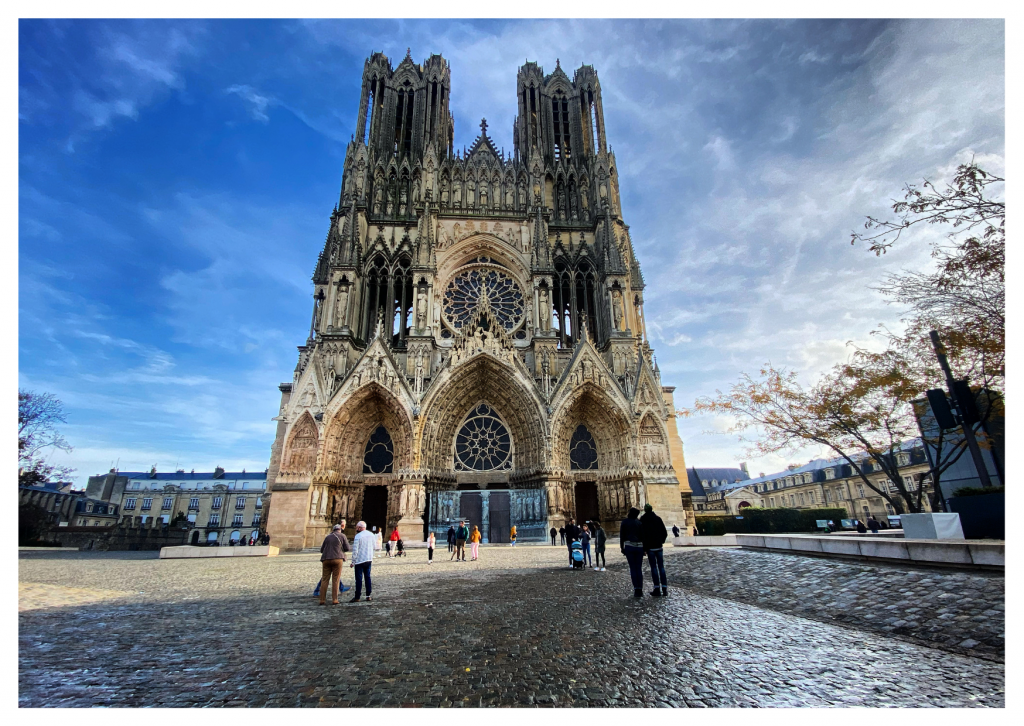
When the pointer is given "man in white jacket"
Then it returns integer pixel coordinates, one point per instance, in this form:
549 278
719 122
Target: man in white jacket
362 559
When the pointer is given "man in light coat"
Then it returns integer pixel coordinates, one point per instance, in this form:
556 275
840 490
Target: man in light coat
362 559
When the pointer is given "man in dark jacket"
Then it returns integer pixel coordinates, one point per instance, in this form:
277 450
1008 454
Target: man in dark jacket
461 535
451 537
571 535
332 556
654 535
631 545
553 532
675 530
561 533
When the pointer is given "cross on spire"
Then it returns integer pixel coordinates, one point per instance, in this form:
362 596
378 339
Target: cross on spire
483 127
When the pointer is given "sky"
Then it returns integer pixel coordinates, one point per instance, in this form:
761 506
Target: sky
176 180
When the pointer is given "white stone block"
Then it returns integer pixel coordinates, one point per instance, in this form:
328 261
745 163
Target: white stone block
840 546
988 553
893 549
948 553
933 525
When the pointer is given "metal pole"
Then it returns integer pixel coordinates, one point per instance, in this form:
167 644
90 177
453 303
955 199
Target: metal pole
972 443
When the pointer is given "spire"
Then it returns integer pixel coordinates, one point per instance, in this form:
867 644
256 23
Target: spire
483 127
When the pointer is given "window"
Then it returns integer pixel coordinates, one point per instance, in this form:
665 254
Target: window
889 509
811 495
909 483
902 459
379 454
95 523
147 504
88 507
193 503
165 518
792 500
483 443
135 485
237 521
582 450
256 520
129 503
704 482
259 503
828 496
168 501
830 473
801 500
214 520
860 491
240 503
192 518
216 502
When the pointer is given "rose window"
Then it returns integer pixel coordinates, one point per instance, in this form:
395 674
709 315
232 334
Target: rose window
483 443
468 287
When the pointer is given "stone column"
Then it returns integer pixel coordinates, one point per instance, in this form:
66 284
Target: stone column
485 516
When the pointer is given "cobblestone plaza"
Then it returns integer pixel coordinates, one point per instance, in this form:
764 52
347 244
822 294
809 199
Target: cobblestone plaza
516 628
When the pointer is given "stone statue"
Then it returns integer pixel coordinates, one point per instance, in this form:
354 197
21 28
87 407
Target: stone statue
416 190
421 309
508 197
457 193
378 197
401 201
332 377
544 310
444 192
341 308
313 502
617 316
419 372
483 195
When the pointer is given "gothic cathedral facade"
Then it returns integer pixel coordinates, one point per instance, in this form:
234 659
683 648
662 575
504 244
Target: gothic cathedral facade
477 347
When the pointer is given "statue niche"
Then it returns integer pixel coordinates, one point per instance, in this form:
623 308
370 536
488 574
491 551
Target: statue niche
302 447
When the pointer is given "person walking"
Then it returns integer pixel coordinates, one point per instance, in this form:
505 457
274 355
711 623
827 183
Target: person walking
631 545
585 541
451 537
474 542
654 534
393 542
600 538
378 540
332 557
571 535
675 530
461 535
362 560
430 548
873 525
553 532
561 534
512 536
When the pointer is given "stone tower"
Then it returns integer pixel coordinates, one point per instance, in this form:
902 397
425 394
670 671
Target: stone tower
477 346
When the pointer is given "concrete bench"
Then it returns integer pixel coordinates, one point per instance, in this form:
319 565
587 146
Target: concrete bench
988 554
186 551
727 540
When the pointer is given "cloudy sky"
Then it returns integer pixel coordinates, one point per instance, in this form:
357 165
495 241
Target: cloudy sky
176 180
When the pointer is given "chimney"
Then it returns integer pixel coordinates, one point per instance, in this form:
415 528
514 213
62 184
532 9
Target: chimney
152 472
218 473
743 468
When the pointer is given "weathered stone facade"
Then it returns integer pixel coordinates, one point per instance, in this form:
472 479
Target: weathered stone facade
477 346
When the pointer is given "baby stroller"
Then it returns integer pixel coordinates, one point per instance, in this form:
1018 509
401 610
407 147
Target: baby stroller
401 549
577 556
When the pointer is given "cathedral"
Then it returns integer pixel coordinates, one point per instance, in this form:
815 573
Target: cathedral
477 348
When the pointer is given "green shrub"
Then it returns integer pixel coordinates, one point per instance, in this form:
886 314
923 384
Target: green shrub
978 491
756 520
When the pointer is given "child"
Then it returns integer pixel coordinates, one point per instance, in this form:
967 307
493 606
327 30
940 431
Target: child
513 536
430 548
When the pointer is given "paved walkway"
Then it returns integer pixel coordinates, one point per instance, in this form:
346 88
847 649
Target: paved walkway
517 628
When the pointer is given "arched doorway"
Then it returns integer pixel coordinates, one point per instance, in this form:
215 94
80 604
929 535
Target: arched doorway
195 537
375 507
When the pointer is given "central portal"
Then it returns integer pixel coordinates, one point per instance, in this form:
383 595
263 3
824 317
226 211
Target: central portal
500 520
375 508
586 502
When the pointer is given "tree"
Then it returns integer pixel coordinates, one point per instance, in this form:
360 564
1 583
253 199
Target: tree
38 416
33 522
860 414
964 297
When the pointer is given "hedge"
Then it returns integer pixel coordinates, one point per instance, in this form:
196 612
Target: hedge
756 520
978 491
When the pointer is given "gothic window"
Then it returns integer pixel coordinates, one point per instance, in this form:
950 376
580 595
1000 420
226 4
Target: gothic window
483 443
467 288
574 299
389 288
582 450
379 455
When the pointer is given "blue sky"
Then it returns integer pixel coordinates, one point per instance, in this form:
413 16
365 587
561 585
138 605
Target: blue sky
176 180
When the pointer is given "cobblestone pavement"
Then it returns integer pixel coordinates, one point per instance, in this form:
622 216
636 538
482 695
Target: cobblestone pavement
960 611
516 628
